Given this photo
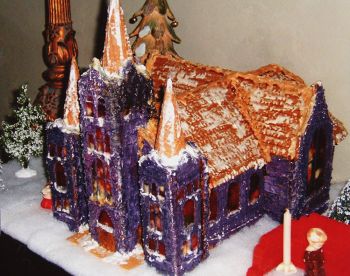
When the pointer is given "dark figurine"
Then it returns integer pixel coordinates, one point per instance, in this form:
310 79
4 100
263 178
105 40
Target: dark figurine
313 257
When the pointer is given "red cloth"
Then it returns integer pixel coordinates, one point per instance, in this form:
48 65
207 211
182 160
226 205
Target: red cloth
46 203
268 253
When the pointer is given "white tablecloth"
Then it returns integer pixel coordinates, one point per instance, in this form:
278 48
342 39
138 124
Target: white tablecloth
23 219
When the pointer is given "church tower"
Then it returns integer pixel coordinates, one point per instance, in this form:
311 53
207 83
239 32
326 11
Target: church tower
114 95
173 187
64 159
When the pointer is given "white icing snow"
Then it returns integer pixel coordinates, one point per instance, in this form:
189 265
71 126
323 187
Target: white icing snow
109 76
59 123
24 220
101 122
145 31
121 257
173 162
140 50
154 255
88 243
256 99
184 78
215 95
319 83
280 120
60 189
107 228
141 69
25 173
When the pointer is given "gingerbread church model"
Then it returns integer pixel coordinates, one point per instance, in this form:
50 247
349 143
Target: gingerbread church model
178 156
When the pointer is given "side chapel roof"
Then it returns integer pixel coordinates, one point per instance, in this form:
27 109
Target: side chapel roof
238 120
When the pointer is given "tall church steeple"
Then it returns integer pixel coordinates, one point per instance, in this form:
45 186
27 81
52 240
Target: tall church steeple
71 106
170 139
117 46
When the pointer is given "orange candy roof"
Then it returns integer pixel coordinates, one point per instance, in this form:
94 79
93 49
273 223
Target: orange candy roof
237 120
117 46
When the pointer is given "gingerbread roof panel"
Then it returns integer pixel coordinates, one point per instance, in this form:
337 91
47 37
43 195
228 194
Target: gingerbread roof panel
278 112
278 73
185 75
211 119
239 120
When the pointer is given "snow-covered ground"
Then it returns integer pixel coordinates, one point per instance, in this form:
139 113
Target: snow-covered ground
24 219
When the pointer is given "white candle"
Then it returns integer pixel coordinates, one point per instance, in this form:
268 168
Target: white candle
286 266
287 219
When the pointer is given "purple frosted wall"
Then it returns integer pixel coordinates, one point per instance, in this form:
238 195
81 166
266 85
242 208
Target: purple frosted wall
303 203
227 222
278 183
92 86
137 91
174 233
126 108
75 192
286 181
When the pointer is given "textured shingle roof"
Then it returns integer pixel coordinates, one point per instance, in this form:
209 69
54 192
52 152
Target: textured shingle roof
237 120
277 111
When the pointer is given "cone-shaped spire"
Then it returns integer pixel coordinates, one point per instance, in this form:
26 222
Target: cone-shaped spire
117 45
170 139
71 106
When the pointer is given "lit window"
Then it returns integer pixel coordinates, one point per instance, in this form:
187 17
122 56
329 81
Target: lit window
61 183
99 167
154 189
180 195
145 188
107 144
91 142
99 140
161 248
59 151
52 150
89 107
161 195
213 201
66 206
155 218
105 231
233 197
152 244
156 246
316 161
188 212
194 242
101 108
254 190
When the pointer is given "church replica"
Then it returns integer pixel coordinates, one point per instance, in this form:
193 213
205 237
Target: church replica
178 156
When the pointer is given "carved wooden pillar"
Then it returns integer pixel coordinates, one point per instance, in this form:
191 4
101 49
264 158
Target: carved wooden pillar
60 47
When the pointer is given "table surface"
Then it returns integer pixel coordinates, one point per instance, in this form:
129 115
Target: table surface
23 219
